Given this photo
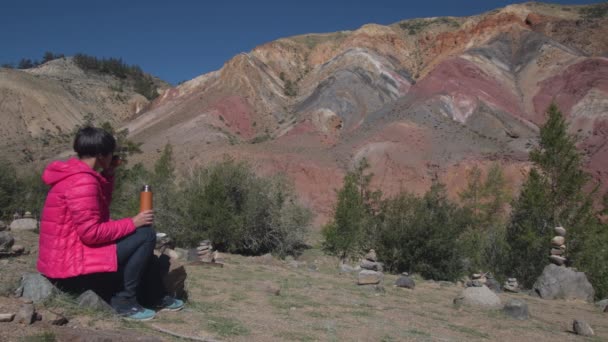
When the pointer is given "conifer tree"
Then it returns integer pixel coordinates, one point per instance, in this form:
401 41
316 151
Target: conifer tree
553 195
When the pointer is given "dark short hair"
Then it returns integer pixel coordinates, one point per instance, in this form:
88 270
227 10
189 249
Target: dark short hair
93 141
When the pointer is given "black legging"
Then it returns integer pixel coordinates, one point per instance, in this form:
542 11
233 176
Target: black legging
136 265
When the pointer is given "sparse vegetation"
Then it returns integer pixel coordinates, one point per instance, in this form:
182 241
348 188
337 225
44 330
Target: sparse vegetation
142 83
415 26
594 11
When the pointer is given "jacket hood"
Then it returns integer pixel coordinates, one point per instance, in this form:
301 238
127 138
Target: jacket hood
60 170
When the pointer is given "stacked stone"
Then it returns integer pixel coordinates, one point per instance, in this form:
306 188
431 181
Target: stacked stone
478 280
205 251
511 285
371 273
558 247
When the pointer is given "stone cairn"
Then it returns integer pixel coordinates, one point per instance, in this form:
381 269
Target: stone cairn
558 247
371 273
511 285
478 280
206 253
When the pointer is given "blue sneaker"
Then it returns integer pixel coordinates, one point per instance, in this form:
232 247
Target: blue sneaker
142 314
131 310
169 303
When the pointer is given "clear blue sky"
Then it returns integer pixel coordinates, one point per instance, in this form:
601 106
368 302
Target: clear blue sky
181 39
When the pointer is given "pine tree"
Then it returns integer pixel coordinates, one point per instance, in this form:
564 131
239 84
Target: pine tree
553 195
351 230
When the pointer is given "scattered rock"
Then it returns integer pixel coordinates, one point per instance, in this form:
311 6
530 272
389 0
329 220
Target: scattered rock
371 265
560 231
367 277
18 249
563 283
476 276
90 299
517 309
511 285
406 282
345 268
558 241
582 328
371 256
273 289
7 317
36 287
602 304
28 215
478 296
58 319
6 242
557 251
24 224
26 314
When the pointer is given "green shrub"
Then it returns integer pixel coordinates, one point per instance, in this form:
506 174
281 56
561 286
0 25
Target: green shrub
239 211
420 235
8 188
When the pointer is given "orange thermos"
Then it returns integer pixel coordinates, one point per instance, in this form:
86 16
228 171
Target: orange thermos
145 198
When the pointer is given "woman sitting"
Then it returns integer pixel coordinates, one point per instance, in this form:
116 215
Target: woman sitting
81 248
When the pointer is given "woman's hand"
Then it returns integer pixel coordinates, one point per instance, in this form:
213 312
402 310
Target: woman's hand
145 218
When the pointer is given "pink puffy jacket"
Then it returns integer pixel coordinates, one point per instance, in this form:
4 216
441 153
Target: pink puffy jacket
76 233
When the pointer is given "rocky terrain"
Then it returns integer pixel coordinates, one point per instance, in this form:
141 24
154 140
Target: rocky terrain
312 298
420 99
39 107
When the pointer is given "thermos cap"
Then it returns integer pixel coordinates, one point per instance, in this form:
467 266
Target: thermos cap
146 188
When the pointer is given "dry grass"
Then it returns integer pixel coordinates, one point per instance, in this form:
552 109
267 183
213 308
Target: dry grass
233 304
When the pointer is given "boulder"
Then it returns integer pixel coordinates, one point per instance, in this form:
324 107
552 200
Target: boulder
582 328
478 296
557 260
24 224
406 282
89 299
557 251
560 231
6 242
367 277
516 308
36 287
563 283
558 241
371 265
26 314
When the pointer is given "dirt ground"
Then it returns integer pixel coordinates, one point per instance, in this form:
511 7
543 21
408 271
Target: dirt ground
239 302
